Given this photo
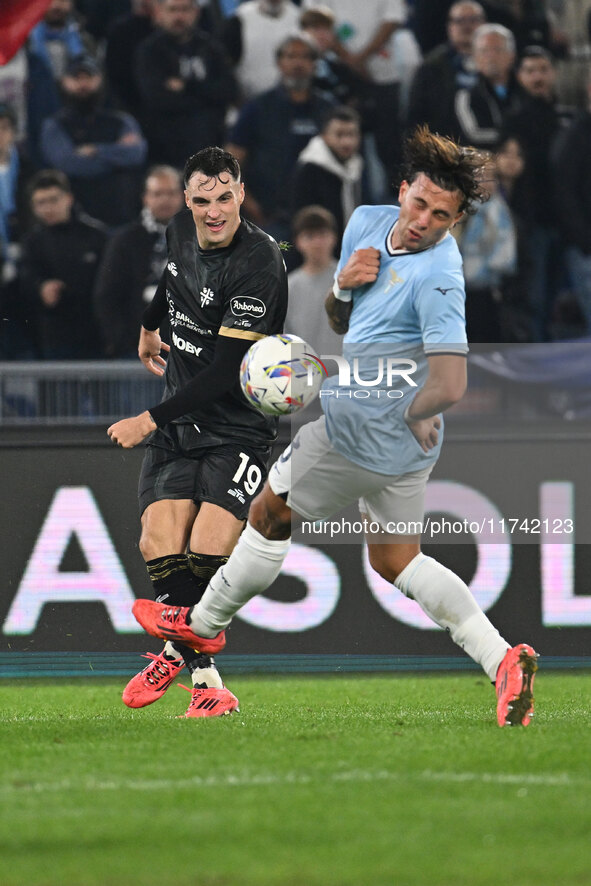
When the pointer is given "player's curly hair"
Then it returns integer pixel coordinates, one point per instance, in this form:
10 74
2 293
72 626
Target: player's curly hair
449 165
212 162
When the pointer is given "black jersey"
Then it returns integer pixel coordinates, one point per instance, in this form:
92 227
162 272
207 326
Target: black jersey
238 291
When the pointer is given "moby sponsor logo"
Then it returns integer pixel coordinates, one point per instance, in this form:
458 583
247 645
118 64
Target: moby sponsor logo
186 346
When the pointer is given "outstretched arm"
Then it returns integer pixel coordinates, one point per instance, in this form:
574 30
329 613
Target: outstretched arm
209 385
445 385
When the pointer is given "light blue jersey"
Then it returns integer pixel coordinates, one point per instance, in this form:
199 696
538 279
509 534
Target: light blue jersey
414 308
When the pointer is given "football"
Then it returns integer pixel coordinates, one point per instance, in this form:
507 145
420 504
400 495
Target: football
280 374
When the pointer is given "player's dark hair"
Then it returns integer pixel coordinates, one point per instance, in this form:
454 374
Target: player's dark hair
313 218
212 162
449 165
49 178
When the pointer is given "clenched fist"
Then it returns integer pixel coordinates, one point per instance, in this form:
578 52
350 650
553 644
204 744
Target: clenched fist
362 267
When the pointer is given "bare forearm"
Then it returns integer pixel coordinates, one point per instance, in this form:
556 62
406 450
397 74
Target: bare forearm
445 386
432 399
338 313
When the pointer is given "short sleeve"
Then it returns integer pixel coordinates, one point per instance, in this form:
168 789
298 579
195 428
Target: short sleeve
440 306
256 296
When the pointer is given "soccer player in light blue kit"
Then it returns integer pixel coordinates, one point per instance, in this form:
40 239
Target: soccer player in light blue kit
398 285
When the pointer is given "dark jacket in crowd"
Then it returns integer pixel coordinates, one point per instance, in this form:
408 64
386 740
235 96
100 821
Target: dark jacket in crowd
536 125
108 183
180 123
573 182
70 252
320 178
123 37
433 91
129 273
275 130
481 112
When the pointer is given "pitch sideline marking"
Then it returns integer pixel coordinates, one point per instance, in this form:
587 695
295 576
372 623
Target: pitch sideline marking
294 778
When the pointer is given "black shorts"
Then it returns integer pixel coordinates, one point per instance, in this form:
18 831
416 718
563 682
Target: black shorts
180 464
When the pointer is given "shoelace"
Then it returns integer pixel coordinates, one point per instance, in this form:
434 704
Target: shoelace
160 671
174 615
196 693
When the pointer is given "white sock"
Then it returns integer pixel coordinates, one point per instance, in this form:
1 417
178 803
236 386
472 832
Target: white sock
253 566
444 597
170 650
209 677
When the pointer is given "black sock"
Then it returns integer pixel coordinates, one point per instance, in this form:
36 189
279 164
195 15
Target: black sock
203 568
172 580
180 580
174 584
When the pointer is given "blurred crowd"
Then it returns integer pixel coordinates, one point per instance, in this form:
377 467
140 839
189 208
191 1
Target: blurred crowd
105 101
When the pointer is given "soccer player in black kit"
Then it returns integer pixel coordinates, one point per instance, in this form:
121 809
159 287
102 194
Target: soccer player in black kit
224 288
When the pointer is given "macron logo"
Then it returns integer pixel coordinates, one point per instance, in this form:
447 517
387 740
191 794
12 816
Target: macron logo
173 269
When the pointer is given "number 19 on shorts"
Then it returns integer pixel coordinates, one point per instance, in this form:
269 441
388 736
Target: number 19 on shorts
253 473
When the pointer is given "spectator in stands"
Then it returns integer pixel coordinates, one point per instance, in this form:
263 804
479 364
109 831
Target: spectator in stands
133 263
123 37
365 33
186 84
488 244
14 84
510 167
429 22
573 203
251 37
537 124
482 110
332 75
53 43
60 258
14 173
515 310
315 236
530 24
330 166
272 130
101 151
16 335
446 69
98 15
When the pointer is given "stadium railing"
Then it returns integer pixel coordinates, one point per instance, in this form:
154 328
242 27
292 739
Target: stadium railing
72 392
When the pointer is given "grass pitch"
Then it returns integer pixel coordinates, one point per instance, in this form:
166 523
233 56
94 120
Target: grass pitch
319 781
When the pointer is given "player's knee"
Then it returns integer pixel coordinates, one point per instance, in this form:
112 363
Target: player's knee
153 543
148 548
388 564
270 516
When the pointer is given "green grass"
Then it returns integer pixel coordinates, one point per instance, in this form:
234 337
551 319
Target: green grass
332 781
